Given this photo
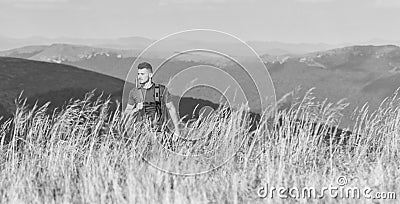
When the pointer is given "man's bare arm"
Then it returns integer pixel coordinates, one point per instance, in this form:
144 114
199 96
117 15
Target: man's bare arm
130 109
173 114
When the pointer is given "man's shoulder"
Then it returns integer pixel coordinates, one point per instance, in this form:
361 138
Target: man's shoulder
134 91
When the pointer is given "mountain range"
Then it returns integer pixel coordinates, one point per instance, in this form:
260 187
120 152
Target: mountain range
362 74
359 73
170 45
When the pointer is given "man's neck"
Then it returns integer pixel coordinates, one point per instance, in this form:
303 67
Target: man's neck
147 85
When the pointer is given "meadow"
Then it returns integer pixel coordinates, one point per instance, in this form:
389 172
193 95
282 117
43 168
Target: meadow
84 153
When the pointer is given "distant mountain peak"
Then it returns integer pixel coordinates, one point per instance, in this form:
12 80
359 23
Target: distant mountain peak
63 52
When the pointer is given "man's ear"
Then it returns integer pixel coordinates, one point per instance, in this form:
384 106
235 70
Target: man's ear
151 74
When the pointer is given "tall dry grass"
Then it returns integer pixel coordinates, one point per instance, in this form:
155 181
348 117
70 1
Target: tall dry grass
85 154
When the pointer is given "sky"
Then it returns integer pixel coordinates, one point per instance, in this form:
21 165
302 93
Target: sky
292 21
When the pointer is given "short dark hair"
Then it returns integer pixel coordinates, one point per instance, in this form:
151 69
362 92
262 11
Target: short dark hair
145 65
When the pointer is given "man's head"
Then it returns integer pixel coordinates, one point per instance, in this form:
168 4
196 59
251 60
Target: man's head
145 72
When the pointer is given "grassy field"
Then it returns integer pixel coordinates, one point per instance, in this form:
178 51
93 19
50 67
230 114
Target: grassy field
84 154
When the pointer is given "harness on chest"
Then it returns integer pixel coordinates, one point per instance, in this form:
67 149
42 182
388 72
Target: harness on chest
157 105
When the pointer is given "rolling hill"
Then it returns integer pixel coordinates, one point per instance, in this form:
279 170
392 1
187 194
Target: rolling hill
44 81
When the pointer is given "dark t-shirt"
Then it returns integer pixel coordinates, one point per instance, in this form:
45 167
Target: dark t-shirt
137 94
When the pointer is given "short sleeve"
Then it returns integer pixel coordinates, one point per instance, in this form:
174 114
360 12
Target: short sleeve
167 96
132 99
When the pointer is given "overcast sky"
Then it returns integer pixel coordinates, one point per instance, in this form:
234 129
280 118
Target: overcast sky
328 21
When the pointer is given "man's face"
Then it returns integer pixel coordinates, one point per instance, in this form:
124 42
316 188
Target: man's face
144 75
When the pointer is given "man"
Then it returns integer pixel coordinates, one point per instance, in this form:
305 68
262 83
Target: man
142 100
